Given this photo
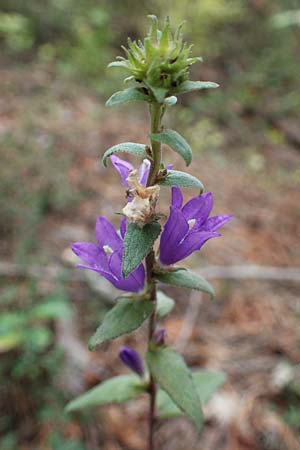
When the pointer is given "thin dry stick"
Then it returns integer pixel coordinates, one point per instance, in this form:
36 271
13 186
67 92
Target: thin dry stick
246 272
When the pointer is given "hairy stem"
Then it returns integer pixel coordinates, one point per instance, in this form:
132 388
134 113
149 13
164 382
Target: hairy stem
152 388
156 115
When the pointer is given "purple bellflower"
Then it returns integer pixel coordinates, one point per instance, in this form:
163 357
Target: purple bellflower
132 360
124 168
188 227
106 257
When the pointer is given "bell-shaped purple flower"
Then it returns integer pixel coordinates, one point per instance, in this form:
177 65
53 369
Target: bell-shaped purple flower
188 227
106 257
124 168
132 360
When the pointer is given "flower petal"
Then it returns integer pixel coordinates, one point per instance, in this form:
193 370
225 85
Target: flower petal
216 222
109 277
174 231
144 170
192 242
123 167
177 198
169 166
134 282
123 227
132 359
198 208
106 234
91 254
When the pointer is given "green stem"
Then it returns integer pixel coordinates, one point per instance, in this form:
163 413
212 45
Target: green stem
156 114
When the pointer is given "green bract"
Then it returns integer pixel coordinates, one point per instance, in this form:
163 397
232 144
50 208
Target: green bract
160 64
126 316
138 243
206 383
182 179
171 373
119 389
176 142
186 279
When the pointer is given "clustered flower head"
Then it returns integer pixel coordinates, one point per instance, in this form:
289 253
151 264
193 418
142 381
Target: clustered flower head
186 230
160 63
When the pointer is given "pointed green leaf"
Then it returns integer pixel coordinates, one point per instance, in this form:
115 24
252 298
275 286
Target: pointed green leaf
165 304
123 64
153 28
206 382
127 95
165 35
171 373
138 243
190 86
176 142
159 93
183 179
126 147
127 315
119 389
186 279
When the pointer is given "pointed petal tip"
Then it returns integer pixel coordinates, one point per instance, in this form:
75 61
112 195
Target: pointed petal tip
132 360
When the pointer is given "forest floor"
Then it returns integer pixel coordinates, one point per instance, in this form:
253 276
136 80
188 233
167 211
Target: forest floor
53 134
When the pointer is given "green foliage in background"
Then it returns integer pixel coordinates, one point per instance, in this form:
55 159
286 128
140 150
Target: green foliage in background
252 46
31 361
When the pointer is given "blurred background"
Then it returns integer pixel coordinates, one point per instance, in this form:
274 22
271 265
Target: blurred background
246 141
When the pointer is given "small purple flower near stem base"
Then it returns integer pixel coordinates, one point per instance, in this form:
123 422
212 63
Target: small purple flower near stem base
132 360
188 227
106 257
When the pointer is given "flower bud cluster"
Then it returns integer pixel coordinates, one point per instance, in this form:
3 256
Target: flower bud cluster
160 63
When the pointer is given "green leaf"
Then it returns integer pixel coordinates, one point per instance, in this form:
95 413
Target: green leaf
127 147
159 93
165 304
53 308
10 341
171 373
190 86
115 390
178 178
206 382
123 64
176 142
186 279
127 315
138 242
127 95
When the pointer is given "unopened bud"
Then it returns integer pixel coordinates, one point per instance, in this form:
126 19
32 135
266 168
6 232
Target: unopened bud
159 336
132 360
